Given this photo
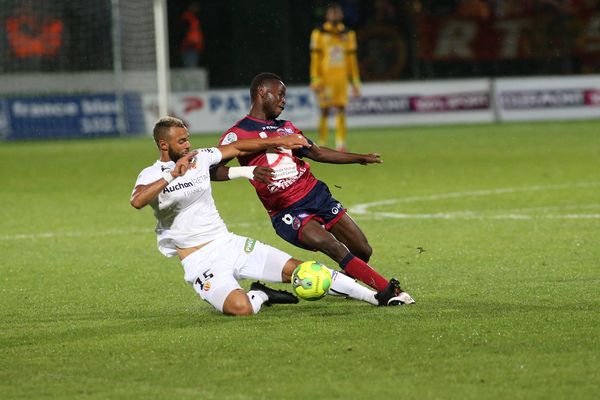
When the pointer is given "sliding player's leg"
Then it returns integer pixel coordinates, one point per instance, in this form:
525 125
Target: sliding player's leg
314 236
213 271
269 264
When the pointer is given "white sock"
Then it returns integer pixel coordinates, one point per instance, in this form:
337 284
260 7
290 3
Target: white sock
343 285
257 298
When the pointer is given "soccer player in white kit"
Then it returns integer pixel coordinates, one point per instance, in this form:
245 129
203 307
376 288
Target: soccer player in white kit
177 187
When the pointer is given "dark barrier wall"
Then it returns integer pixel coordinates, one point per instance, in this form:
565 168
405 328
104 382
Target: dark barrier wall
397 39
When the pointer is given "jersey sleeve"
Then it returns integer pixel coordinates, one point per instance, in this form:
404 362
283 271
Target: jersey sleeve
209 156
147 176
351 59
228 137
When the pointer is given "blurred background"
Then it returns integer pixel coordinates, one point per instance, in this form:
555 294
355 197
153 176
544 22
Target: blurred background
105 52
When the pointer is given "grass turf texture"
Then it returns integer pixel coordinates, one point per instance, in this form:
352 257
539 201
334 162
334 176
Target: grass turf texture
506 282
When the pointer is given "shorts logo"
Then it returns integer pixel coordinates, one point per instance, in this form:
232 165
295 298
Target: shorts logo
335 210
287 218
249 246
206 287
296 224
263 135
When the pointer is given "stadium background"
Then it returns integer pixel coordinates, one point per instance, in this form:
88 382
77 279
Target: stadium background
107 50
492 227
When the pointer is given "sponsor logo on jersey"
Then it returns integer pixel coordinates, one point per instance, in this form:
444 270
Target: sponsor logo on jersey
206 286
285 183
179 186
285 131
249 246
198 180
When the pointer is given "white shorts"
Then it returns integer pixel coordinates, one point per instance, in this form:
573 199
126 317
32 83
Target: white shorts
214 270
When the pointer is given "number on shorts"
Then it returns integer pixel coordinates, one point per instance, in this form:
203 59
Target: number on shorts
207 275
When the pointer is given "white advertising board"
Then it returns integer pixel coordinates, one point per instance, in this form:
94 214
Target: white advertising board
417 103
385 104
548 98
215 111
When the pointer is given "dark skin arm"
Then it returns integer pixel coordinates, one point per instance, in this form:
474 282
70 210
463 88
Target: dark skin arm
316 153
330 156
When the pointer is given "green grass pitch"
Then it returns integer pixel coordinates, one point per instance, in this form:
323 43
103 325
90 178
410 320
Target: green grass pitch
494 230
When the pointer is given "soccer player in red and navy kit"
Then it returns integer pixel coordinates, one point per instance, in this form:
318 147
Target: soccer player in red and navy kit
302 209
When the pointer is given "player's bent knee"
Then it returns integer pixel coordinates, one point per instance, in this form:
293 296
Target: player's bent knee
331 247
237 303
288 270
364 252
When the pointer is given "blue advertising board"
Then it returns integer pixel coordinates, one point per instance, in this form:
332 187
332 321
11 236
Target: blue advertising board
73 116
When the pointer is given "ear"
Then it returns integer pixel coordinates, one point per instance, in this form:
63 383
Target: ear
163 145
262 90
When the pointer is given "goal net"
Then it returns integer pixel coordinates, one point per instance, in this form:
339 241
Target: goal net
75 68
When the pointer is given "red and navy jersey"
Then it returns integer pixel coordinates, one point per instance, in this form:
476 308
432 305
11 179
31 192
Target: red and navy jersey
293 179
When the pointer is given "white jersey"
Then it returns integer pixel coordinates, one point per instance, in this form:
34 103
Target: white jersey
185 210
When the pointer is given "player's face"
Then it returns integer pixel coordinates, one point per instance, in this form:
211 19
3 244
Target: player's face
178 143
334 15
274 99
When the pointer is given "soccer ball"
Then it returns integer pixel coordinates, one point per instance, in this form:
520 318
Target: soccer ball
311 280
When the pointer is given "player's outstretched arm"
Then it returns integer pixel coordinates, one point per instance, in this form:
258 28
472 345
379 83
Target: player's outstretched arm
327 155
144 194
248 146
258 173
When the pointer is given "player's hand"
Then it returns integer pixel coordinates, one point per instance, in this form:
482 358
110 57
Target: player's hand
371 158
294 141
355 90
316 87
183 164
263 174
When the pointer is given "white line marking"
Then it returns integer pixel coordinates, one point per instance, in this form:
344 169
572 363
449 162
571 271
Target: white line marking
112 232
473 215
363 209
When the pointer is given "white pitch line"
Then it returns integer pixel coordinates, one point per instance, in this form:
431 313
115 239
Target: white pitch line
473 215
111 232
50 235
364 208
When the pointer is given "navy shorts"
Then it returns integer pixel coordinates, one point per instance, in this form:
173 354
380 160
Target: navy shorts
318 204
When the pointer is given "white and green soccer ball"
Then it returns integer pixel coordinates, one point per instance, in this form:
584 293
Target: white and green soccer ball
311 280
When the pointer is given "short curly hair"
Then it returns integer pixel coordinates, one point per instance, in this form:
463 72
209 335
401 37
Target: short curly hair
162 126
259 80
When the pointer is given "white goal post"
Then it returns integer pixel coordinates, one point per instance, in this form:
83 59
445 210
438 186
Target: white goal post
162 56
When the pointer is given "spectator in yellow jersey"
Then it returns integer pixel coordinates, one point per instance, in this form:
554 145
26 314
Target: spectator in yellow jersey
333 65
